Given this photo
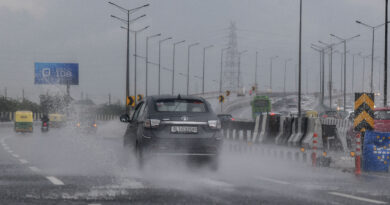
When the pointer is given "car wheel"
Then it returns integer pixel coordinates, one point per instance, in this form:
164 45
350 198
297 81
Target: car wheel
140 156
214 163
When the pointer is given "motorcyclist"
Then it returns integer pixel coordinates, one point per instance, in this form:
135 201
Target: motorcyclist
45 122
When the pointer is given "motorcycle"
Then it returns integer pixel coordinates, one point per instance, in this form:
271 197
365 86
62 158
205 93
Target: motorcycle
45 126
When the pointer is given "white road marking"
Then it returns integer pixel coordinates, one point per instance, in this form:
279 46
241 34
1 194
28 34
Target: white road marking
94 204
54 180
216 183
10 151
15 155
272 180
34 169
23 161
357 198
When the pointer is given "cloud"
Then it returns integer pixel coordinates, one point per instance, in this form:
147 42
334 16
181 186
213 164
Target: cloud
34 7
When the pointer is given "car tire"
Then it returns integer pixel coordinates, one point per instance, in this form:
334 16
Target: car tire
214 163
140 156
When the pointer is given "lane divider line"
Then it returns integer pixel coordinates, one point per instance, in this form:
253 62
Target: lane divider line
23 161
15 155
357 198
272 180
34 169
55 180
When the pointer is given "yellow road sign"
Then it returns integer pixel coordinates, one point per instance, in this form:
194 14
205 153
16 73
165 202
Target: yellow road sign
221 98
140 97
364 112
130 101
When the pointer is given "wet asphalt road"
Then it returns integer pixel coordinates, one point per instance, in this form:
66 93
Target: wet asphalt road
65 167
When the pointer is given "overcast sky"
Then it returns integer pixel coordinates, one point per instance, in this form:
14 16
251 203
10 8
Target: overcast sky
82 31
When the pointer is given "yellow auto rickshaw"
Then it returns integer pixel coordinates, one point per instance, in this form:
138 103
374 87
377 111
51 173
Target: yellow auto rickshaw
56 120
23 121
311 113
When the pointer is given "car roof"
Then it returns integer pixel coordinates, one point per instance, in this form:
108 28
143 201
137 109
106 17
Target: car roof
166 97
382 109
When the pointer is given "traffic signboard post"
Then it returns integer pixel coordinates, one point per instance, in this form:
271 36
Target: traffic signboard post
364 120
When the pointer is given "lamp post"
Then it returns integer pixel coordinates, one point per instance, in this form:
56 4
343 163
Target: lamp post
159 63
239 69
135 61
188 66
147 61
330 46
220 72
256 71
372 51
270 72
322 70
128 21
173 64
300 58
204 64
344 40
285 71
353 70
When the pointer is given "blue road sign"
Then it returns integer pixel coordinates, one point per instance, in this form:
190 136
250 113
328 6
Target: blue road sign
376 151
57 73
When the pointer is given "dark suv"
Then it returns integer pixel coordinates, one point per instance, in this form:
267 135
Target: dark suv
174 125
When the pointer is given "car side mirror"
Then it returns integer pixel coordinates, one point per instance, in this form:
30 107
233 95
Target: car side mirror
124 118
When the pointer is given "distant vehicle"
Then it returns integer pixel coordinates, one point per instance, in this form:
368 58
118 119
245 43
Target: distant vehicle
331 114
86 124
382 119
174 125
260 104
23 121
241 92
45 123
57 120
225 117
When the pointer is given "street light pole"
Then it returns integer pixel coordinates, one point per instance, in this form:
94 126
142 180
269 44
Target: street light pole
285 71
128 21
300 58
256 71
173 64
204 65
147 61
239 69
344 40
270 72
330 46
159 63
372 51
135 61
220 73
188 66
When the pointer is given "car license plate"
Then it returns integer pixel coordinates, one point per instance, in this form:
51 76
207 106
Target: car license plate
184 129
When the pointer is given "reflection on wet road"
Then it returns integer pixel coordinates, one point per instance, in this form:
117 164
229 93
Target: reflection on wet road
65 167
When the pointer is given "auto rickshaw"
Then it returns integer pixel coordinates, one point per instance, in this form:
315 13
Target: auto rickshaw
311 113
56 120
23 121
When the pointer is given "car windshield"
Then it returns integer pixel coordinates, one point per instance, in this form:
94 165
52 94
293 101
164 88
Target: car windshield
382 115
180 105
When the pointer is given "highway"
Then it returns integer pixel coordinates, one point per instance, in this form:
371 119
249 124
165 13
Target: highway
65 167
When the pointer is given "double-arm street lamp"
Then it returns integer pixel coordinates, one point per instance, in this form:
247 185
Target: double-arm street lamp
344 40
159 63
173 64
321 50
270 72
204 64
188 65
220 72
239 69
372 50
330 46
147 60
128 21
135 60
